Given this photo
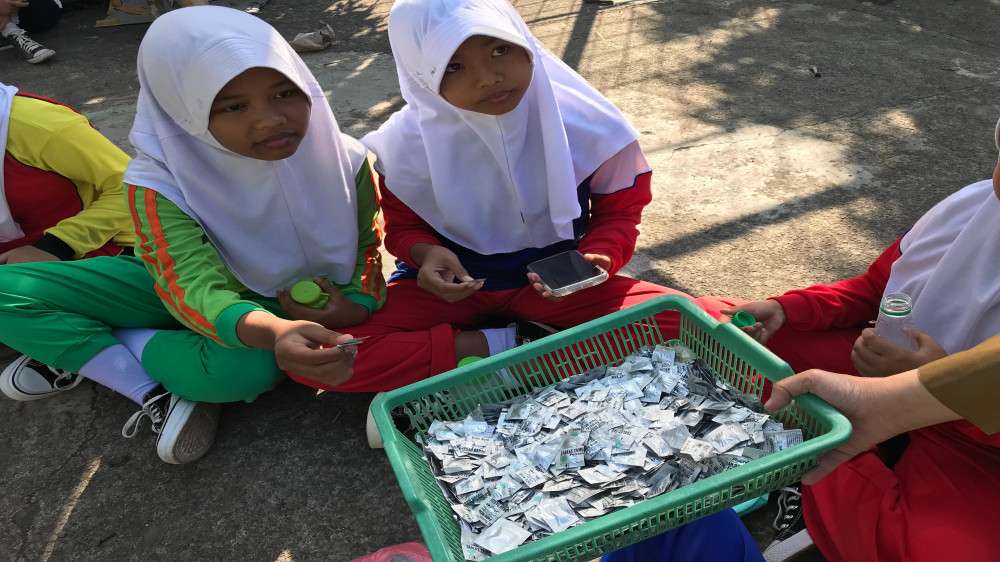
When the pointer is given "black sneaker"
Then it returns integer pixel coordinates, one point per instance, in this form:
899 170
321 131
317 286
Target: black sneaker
27 48
26 379
527 332
791 537
400 419
185 429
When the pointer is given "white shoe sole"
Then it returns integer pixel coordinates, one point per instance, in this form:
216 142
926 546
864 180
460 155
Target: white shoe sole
7 382
188 432
793 545
42 55
11 391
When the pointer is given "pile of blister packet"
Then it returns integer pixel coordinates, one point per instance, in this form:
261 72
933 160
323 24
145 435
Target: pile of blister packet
594 443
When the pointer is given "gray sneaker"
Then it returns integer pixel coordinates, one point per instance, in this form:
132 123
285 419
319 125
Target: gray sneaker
27 48
26 379
185 429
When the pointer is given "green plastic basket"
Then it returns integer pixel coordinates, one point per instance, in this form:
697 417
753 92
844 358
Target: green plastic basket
733 357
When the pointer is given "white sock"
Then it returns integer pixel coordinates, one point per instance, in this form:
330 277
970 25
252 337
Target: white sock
135 339
116 368
11 27
500 339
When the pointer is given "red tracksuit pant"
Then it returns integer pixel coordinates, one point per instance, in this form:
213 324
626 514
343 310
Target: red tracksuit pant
413 335
938 502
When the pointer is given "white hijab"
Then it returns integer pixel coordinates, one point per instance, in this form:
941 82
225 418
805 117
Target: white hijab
273 223
950 267
9 229
493 184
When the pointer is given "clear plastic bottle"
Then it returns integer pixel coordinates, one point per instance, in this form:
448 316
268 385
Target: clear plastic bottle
894 321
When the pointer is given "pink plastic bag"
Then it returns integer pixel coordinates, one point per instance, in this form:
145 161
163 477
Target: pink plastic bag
406 552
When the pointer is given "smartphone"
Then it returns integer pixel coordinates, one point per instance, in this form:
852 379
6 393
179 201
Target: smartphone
567 273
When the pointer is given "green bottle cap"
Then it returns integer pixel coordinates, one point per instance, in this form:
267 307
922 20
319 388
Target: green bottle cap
743 319
310 294
468 360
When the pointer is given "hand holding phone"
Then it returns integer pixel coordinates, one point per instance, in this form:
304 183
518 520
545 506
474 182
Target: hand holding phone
566 273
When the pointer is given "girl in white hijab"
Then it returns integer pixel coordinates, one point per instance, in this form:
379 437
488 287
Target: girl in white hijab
502 156
242 185
935 499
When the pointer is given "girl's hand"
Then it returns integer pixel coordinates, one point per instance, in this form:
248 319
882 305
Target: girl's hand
10 7
26 254
338 312
875 357
438 271
305 348
602 261
769 314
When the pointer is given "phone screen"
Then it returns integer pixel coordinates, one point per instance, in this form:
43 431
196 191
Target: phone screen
568 270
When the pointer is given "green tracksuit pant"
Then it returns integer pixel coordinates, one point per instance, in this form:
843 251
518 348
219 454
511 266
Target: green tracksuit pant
62 314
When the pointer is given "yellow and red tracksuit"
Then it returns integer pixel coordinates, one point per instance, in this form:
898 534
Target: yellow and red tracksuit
63 182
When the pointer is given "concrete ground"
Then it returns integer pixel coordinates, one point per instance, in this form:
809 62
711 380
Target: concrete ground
768 176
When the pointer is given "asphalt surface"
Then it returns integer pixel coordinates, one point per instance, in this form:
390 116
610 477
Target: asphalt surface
791 142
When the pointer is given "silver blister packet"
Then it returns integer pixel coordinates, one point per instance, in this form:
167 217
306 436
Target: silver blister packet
520 411
505 488
726 436
469 485
554 514
472 551
531 476
501 536
594 443
781 440
489 511
697 449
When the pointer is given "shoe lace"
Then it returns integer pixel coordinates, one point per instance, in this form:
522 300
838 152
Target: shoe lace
63 379
151 409
789 504
58 378
23 41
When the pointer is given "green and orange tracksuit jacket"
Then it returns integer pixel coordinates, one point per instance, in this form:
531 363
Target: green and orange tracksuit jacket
202 293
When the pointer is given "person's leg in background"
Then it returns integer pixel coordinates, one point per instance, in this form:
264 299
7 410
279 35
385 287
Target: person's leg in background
937 503
39 15
17 18
101 318
62 314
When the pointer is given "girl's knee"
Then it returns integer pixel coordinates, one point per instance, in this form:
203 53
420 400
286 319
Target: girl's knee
39 15
245 374
17 285
12 281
